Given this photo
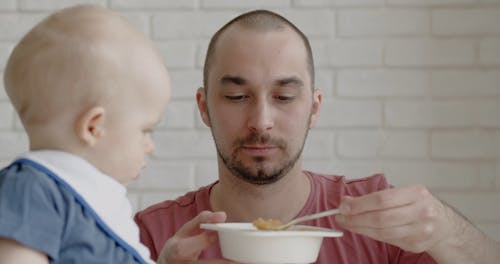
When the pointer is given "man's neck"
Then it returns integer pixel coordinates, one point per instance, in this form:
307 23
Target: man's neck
244 202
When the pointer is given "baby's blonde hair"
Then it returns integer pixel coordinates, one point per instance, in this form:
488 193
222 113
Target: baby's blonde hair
63 64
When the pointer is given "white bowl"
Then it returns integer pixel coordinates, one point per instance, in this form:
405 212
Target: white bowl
242 242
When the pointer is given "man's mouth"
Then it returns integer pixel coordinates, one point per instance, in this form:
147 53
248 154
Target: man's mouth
258 150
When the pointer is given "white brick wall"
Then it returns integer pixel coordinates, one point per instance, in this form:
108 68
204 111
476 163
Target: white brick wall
3 94
180 176
410 88
489 51
314 23
48 5
180 54
478 207
205 172
430 52
330 3
467 144
442 175
13 143
371 144
152 5
497 181
465 83
225 4
382 83
432 114
349 52
7 5
350 113
472 21
184 144
180 114
13 25
5 49
188 24
6 115
320 145
383 22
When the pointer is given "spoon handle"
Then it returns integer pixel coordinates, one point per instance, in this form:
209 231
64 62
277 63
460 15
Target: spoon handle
313 216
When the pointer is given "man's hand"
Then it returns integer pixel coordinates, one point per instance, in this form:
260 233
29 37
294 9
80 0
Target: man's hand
408 217
188 243
413 219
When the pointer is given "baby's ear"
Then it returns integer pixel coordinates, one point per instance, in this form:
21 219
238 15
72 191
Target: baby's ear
90 125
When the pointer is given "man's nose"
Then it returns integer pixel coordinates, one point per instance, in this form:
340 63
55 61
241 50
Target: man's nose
260 117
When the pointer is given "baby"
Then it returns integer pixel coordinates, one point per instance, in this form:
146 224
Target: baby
89 90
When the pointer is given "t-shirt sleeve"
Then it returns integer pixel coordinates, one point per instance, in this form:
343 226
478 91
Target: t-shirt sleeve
145 237
30 209
363 186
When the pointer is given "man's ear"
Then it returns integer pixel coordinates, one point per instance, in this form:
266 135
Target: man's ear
90 125
201 100
316 105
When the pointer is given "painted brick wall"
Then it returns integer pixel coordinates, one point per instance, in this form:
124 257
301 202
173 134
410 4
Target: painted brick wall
411 88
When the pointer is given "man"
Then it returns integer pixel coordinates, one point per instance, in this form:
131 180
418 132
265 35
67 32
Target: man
259 101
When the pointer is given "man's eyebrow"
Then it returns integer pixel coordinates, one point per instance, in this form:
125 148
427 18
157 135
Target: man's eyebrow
228 79
290 80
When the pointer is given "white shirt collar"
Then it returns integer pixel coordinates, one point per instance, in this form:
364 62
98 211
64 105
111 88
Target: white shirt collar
106 196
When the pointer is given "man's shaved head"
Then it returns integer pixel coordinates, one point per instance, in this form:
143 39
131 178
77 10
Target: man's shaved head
260 21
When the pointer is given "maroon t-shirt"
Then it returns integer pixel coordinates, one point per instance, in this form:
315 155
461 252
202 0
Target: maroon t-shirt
160 222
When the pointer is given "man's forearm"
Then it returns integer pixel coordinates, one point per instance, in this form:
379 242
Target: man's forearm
465 244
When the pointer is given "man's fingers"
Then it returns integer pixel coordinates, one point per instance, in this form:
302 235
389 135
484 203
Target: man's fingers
396 216
189 248
193 226
408 217
384 199
189 241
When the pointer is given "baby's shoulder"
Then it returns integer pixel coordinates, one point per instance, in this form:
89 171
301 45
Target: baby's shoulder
23 176
23 183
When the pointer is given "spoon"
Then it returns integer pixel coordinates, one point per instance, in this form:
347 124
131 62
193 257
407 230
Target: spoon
272 224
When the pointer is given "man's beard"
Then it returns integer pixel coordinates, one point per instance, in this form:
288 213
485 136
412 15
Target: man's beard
260 175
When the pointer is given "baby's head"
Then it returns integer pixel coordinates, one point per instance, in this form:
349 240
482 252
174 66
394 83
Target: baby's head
85 81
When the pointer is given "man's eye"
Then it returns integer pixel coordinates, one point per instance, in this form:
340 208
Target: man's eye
284 98
236 97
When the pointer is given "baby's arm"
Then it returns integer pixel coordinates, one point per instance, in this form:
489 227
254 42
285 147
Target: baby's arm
13 252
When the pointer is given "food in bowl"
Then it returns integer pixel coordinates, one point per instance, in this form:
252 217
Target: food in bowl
244 243
267 224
